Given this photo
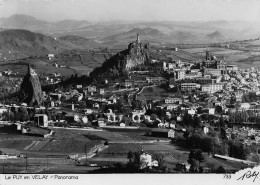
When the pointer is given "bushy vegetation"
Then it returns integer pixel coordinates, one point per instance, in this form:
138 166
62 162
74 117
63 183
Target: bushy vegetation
215 144
250 97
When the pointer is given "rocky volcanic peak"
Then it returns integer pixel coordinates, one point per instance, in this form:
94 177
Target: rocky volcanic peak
30 90
136 54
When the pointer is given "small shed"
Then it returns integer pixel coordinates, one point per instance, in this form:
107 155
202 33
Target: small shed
101 122
41 120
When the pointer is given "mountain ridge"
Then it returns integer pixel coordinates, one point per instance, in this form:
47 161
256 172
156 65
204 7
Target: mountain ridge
29 43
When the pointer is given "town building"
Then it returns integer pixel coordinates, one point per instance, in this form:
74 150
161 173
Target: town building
215 72
180 74
189 86
41 120
204 80
212 87
173 100
230 68
155 80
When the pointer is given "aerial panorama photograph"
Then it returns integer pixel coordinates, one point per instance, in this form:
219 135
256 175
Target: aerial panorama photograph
129 86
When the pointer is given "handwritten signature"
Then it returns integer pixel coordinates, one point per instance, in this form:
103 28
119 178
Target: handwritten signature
249 174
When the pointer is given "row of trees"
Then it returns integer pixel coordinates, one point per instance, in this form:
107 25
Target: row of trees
196 156
20 114
244 116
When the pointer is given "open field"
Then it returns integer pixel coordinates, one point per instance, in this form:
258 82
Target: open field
242 59
81 62
220 53
67 146
237 57
41 165
183 55
52 158
212 50
110 136
151 93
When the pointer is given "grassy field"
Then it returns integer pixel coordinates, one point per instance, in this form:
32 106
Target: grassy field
212 50
67 146
14 144
50 165
151 93
81 62
237 57
183 56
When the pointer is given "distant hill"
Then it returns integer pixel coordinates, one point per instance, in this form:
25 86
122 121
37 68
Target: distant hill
147 34
20 21
145 31
117 34
216 35
28 43
74 41
70 24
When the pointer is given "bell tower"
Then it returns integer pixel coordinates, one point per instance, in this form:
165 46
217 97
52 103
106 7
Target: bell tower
137 39
207 55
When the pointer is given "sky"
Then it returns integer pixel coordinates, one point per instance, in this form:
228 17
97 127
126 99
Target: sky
136 10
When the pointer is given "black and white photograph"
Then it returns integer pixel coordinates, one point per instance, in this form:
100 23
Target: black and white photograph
129 87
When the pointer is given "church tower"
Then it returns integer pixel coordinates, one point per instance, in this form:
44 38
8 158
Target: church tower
207 55
137 39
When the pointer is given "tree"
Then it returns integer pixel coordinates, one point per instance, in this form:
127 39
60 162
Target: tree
192 99
196 121
8 116
199 156
58 117
224 148
238 150
255 158
233 136
211 165
191 156
221 122
223 134
137 162
218 109
220 169
154 116
187 119
130 156
23 114
160 159
193 166
186 134
142 117
136 118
